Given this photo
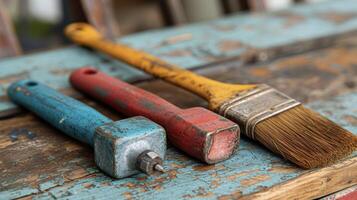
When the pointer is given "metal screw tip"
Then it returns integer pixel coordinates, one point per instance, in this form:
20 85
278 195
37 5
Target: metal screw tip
159 168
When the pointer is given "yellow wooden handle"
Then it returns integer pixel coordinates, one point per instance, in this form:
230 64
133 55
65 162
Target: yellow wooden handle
213 91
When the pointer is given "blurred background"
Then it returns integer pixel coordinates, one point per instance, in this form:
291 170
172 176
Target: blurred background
33 25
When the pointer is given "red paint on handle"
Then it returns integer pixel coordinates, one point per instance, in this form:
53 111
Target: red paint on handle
196 131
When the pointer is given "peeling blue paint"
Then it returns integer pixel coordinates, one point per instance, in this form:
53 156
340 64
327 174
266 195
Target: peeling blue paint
186 178
207 44
17 193
50 184
72 117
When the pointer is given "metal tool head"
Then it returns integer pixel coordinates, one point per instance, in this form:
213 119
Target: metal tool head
210 137
119 146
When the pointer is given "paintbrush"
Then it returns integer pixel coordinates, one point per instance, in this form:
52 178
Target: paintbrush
264 114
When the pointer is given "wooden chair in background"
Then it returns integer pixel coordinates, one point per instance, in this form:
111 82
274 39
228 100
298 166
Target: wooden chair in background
9 45
175 12
263 5
100 13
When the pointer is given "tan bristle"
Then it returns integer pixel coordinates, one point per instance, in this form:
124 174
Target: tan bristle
305 138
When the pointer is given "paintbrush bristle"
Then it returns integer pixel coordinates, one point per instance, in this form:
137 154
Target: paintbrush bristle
305 137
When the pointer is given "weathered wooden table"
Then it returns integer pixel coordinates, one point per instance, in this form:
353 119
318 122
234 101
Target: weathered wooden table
308 52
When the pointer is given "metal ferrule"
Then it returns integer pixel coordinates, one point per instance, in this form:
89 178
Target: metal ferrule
253 106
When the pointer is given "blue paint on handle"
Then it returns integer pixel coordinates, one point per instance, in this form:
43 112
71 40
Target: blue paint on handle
65 113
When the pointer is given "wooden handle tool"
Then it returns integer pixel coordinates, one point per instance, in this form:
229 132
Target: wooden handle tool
121 148
264 114
199 132
213 91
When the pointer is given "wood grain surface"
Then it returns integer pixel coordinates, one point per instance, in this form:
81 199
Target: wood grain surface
39 162
243 38
303 52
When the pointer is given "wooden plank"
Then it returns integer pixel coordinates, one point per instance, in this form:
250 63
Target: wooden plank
312 184
245 38
346 194
39 157
238 35
223 179
51 165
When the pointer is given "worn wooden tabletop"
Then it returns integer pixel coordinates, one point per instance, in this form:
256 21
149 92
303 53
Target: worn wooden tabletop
305 52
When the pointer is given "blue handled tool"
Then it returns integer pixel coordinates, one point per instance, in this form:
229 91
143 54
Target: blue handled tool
122 148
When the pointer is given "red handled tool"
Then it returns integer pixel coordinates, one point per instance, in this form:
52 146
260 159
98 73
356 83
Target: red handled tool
197 131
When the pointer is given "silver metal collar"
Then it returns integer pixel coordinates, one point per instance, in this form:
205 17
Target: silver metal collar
253 106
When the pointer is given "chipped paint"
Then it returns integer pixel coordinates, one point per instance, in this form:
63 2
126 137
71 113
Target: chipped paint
65 113
336 17
50 184
213 139
350 119
209 182
116 143
266 31
88 182
282 169
204 167
254 180
16 193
